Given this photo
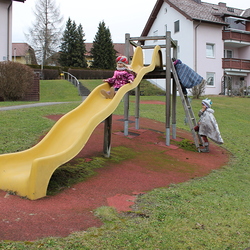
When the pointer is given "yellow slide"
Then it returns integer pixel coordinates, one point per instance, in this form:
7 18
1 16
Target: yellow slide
27 173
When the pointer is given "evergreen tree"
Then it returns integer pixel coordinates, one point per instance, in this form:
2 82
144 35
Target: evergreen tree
73 48
64 58
81 48
103 51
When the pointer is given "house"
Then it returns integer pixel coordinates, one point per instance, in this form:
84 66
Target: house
119 48
213 39
23 53
6 29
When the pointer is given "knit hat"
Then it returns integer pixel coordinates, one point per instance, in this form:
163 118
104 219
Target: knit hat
207 102
122 59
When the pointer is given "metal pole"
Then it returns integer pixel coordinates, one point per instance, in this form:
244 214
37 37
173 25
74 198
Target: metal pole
14 54
126 97
174 94
168 86
137 106
107 136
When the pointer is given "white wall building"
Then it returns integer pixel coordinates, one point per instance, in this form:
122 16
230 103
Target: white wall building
214 40
6 29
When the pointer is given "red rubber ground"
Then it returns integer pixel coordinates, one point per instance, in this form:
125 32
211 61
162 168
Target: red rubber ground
155 165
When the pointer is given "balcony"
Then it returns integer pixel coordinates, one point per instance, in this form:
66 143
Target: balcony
236 64
242 38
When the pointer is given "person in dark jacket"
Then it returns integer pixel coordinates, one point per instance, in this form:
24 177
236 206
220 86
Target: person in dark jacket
188 77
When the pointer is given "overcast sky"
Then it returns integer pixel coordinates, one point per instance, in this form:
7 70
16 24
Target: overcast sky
127 16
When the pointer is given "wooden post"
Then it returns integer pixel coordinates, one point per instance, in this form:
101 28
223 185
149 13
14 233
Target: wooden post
174 94
126 97
107 136
168 86
126 113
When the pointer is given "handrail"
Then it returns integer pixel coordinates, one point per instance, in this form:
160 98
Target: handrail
73 80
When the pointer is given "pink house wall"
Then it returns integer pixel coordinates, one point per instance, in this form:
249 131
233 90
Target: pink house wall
211 34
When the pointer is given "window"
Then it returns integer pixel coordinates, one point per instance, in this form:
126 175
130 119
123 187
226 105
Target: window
228 53
210 50
210 78
176 26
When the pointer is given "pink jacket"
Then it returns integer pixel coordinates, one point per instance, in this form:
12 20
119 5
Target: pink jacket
120 78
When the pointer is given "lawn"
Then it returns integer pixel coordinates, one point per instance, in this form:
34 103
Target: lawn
209 213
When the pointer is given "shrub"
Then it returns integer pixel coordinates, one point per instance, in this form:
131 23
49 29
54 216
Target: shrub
50 74
198 90
15 80
91 74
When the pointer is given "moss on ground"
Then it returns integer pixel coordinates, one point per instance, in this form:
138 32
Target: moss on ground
80 169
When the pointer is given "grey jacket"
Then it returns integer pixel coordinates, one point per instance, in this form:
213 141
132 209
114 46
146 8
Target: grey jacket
208 126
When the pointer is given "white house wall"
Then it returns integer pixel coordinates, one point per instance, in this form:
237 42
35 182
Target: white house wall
5 48
190 52
244 53
165 22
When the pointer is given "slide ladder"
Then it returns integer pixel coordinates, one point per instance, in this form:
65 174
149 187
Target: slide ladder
188 110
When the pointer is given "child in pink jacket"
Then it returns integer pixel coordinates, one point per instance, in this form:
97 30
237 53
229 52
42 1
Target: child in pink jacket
122 75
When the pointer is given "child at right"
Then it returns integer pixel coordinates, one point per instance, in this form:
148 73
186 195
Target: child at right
207 125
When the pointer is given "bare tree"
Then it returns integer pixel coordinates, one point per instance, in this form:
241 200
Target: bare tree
45 34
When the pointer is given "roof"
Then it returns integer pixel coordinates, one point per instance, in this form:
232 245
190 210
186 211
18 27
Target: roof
20 49
119 47
246 13
197 10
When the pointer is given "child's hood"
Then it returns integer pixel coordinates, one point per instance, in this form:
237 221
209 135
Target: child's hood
210 110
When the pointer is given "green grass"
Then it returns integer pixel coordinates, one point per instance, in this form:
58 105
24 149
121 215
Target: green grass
29 124
52 91
91 84
62 91
210 213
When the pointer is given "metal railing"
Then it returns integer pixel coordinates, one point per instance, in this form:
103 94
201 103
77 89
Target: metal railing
235 63
69 77
237 35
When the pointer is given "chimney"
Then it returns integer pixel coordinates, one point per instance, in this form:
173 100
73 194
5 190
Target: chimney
197 1
222 4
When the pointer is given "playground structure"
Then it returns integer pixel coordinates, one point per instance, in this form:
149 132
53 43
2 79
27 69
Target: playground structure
27 173
173 85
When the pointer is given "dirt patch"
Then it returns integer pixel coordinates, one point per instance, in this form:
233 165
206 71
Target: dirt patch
155 165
